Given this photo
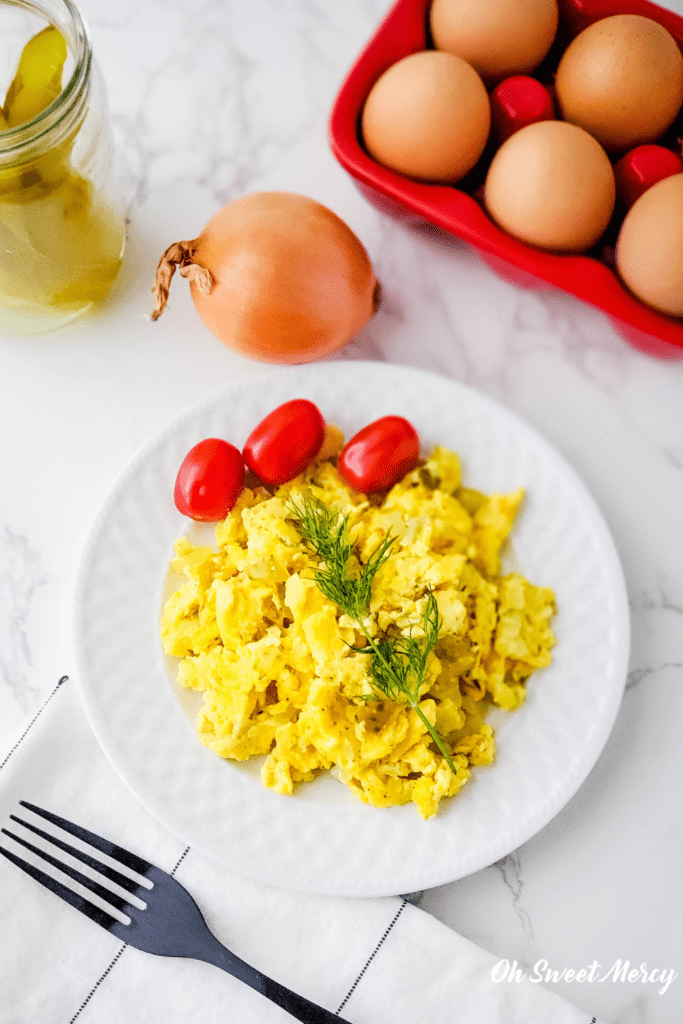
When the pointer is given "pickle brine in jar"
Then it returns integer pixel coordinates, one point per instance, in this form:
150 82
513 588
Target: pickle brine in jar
62 228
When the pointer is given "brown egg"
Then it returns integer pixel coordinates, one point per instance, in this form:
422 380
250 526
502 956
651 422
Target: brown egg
551 185
428 116
497 37
622 80
649 250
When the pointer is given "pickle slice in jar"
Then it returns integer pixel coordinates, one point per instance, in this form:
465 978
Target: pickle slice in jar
38 79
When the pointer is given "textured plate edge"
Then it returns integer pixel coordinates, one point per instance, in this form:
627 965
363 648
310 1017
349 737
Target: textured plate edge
608 547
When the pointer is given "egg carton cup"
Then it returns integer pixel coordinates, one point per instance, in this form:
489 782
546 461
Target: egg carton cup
458 210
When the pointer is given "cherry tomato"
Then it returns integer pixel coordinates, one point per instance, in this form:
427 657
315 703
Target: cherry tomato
641 168
285 442
517 102
380 454
209 480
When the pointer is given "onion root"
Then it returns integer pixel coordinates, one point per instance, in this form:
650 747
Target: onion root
179 255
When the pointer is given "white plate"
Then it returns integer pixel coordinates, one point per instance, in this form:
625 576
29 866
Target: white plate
322 839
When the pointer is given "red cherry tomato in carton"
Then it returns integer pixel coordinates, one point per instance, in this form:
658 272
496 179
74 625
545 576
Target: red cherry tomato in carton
379 455
641 168
517 102
285 442
209 480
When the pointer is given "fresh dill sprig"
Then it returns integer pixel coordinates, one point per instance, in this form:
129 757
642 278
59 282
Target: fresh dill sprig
398 663
327 533
401 670
398 668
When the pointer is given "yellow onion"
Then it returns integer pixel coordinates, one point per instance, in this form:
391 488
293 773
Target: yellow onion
275 276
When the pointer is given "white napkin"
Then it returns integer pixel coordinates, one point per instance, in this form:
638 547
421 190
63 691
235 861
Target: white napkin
374 961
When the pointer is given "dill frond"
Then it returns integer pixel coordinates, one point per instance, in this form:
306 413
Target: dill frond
398 664
327 533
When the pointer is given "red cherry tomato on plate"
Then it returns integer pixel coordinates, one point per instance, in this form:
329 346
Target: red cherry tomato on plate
641 168
285 442
517 102
379 455
209 480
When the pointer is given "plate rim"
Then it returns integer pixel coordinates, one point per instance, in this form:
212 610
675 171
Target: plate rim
607 547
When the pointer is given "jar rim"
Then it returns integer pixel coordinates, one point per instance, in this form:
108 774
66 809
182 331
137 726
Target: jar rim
15 141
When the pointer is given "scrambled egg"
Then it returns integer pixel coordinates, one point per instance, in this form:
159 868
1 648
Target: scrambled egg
275 659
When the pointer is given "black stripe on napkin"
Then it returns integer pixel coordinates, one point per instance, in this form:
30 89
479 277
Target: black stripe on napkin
23 736
33 720
371 957
97 984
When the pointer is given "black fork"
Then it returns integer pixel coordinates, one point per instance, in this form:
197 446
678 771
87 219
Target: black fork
171 924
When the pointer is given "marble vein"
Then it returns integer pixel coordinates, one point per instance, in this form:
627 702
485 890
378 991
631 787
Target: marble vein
21 576
512 875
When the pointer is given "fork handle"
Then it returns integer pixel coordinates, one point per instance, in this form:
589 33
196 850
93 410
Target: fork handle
300 1008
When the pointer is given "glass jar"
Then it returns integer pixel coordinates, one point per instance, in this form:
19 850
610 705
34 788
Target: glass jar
62 228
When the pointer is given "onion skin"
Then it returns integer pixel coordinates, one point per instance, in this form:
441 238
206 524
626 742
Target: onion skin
277 277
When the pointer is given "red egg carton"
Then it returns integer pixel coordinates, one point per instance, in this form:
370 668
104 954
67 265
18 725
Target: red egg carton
456 208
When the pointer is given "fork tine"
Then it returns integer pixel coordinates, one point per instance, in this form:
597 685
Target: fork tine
105 894
131 861
111 873
89 909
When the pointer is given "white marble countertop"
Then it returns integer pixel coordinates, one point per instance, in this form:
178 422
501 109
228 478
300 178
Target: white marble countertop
213 98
